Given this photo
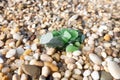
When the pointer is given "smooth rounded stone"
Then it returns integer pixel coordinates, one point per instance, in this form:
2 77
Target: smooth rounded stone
107 45
86 73
10 53
19 71
107 37
56 75
28 58
114 69
85 78
77 71
95 59
15 77
5 70
116 60
68 73
17 36
42 77
1 43
50 51
1 60
19 62
45 71
103 54
69 60
24 77
36 56
98 50
95 75
52 66
45 58
79 66
105 76
34 47
71 66
76 53
64 78
18 43
31 70
96 67
5 77
35 62
77 77
56 56
20 51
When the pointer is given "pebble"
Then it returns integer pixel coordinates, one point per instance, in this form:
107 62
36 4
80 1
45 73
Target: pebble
17 36
20 51
95 59
27 52
79 65
45 58
68 73
50 51
35 62
5 70
107 45
103 54
86 73
76 53
77 77
31 70
15 77
10 53
107 37
1 60
56 75
69 60
71 66
77 71
5 77
34 47
95 75
105 76
56 56
45 71
114 69
24 77
64 78
53 67
1 43
36 56
42 77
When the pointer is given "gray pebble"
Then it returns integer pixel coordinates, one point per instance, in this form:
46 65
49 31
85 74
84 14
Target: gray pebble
105 76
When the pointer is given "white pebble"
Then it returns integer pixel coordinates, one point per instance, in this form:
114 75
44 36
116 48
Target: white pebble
68 73
114 69
1 60
95 59
76 53
71 66
16 36
34 47
95 75
56 75
107 45
36 56
50 51
19 51
77 71
104 55
109 58
10 53
85 78
45 71
24 77
28 58
96 67
86 73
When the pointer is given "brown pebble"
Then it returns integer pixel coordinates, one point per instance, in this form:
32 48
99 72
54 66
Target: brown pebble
1 75
1 66
52 66
109 51
31 70
5 77
18 43
56 56
27 52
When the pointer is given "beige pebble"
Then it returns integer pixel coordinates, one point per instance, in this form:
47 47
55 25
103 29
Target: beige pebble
69 60
56 56
51 66
50 51
15 77
5 69
20 71
1 75
1 66
56 75
24 77
77 77
68 73
107 37
5 77
45 57
1 43
71 66
35 62
45 71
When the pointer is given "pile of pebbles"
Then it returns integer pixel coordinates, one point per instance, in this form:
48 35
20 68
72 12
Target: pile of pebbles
23 58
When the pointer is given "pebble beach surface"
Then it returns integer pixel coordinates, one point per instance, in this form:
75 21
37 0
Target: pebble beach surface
22 57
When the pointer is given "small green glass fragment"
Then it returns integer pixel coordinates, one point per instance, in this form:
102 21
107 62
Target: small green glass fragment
71 48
